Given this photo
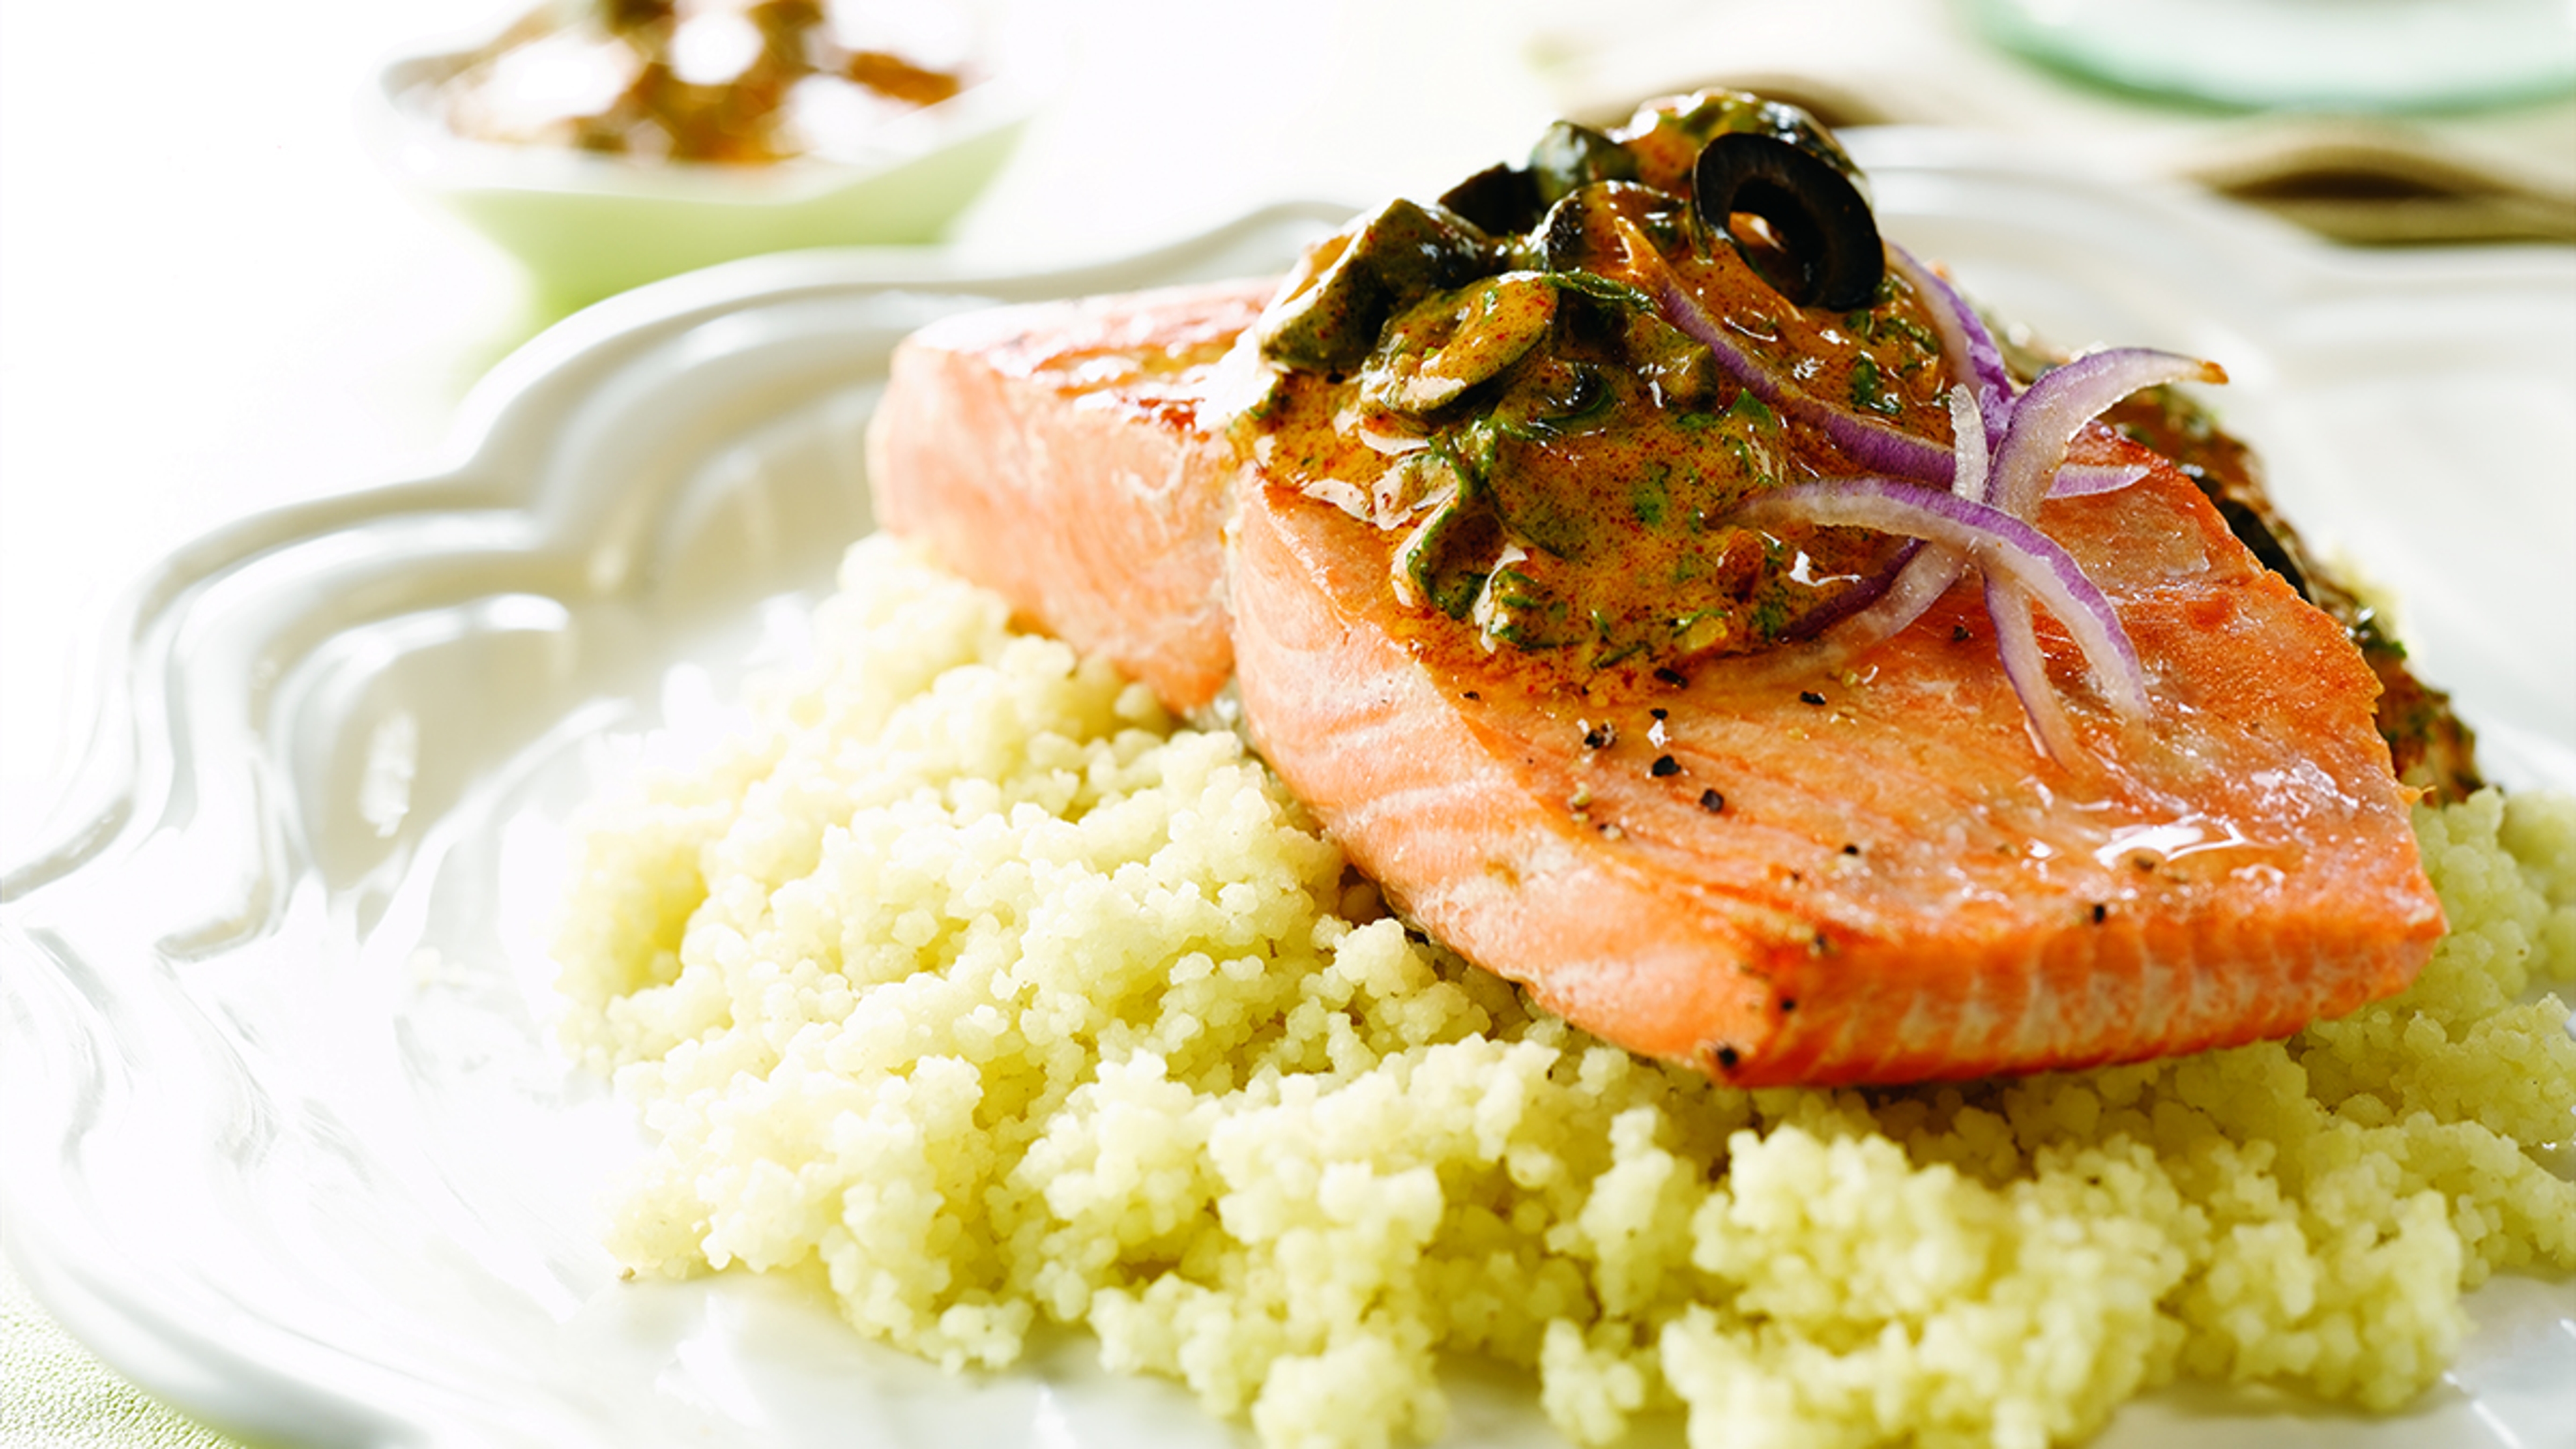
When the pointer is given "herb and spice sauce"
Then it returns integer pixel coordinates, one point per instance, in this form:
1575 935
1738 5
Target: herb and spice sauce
1551 462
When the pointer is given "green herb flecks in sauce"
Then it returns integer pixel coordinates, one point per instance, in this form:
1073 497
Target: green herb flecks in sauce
1490 382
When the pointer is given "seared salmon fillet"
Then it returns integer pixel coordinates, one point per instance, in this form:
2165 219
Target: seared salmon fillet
1871 878
1061 456
1664 589
1867 877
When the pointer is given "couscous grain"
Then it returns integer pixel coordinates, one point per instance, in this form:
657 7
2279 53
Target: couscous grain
972 979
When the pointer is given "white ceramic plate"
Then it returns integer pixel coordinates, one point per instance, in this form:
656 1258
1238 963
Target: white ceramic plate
285 1138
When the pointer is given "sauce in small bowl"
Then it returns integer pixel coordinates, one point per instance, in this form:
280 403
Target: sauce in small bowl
613 142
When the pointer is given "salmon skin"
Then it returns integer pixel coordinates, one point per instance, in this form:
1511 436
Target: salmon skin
1867 877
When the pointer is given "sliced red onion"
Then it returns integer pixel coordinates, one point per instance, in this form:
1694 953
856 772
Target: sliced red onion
2047 417
1926 576
1966 346
2075 480
1968 456
1857 599
1997 542
1919 574
2017 643
1924 572
2007 454
1875 444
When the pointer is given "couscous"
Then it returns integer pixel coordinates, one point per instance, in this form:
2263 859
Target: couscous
971 982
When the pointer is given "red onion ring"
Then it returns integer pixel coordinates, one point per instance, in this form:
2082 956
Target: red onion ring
2017 644
1837 615
1875 444
1927 570
2007 453
1970 462
1966 346
2048 416
1997 542
2078 480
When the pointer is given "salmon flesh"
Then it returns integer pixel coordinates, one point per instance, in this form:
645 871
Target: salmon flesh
1863 874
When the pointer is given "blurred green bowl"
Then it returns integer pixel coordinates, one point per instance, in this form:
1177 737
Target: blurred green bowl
588 225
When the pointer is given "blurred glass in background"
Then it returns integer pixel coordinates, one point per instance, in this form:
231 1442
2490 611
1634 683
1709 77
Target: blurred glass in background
2369 55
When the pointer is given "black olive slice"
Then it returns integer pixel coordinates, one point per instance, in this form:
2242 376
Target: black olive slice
1817 212
2255 532
1501 199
